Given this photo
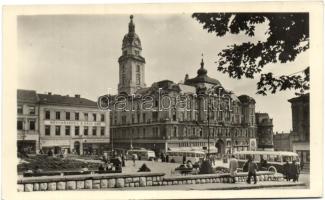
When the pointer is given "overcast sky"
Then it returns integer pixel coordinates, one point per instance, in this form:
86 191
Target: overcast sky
78 55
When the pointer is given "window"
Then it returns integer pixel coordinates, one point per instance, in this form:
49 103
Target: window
19 125
102 117
57 115
76 116
32 125
123 119
94 116
138 68
67 130
86 116
57 130
20 109
144 117
76 130
47 130
174 115
102 131
67 115
175 131
32 110
47 114
138 80
123 79
86 130
133 119
155 116
137 52
94 131
124 52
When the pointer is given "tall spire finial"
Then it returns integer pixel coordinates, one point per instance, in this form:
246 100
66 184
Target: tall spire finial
202 62
131 25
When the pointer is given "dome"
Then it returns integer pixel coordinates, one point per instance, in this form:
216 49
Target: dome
202 77
131 38
202 71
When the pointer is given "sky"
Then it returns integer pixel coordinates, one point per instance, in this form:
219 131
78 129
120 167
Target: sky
78 54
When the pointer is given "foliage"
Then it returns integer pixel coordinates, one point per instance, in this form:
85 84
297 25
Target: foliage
287 36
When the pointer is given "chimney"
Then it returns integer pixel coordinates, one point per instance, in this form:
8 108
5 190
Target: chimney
77 95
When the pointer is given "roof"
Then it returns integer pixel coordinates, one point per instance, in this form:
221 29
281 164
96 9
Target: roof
302 98
54 99
234 97
246 99
29 96
142 91
187 89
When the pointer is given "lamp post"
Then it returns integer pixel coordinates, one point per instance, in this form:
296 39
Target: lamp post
208 127
112 142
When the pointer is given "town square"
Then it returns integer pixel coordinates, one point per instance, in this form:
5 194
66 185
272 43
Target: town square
184 101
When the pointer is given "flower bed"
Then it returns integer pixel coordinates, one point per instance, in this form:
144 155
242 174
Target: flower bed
47 163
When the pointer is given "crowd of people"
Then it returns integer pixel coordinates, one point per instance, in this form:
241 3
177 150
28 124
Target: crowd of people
291 171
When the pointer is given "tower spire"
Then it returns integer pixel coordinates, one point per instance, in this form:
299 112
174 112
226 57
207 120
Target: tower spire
131 25
202 71
202 62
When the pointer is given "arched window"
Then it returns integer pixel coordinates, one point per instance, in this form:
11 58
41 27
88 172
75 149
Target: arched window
138 79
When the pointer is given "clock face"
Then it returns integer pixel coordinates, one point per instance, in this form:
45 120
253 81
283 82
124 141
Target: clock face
136 42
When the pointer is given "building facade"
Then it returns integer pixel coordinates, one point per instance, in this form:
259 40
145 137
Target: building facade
64 124
300 134
282 142
264 131
27 121
199 113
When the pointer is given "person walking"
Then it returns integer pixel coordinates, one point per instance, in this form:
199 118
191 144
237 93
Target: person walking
295 171
252 168
123 160
233 165
286 170
184 159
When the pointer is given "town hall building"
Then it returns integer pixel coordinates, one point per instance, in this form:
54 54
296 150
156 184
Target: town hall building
199 113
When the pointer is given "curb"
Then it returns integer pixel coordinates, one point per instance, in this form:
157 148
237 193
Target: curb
257 186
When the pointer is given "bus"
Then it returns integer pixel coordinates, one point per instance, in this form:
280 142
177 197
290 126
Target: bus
267 160
142 154
192 156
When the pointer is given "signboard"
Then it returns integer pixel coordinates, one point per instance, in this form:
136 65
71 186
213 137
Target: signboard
252 144
73 123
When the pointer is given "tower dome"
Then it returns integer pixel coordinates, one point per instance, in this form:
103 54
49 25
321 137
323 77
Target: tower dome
131 39
202 77
202 71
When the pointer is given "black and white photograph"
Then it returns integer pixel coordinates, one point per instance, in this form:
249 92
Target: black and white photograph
131 101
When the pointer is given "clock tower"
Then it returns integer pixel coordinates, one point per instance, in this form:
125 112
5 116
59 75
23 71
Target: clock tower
131 63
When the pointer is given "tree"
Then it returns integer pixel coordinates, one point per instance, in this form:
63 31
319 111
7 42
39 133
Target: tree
287 36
